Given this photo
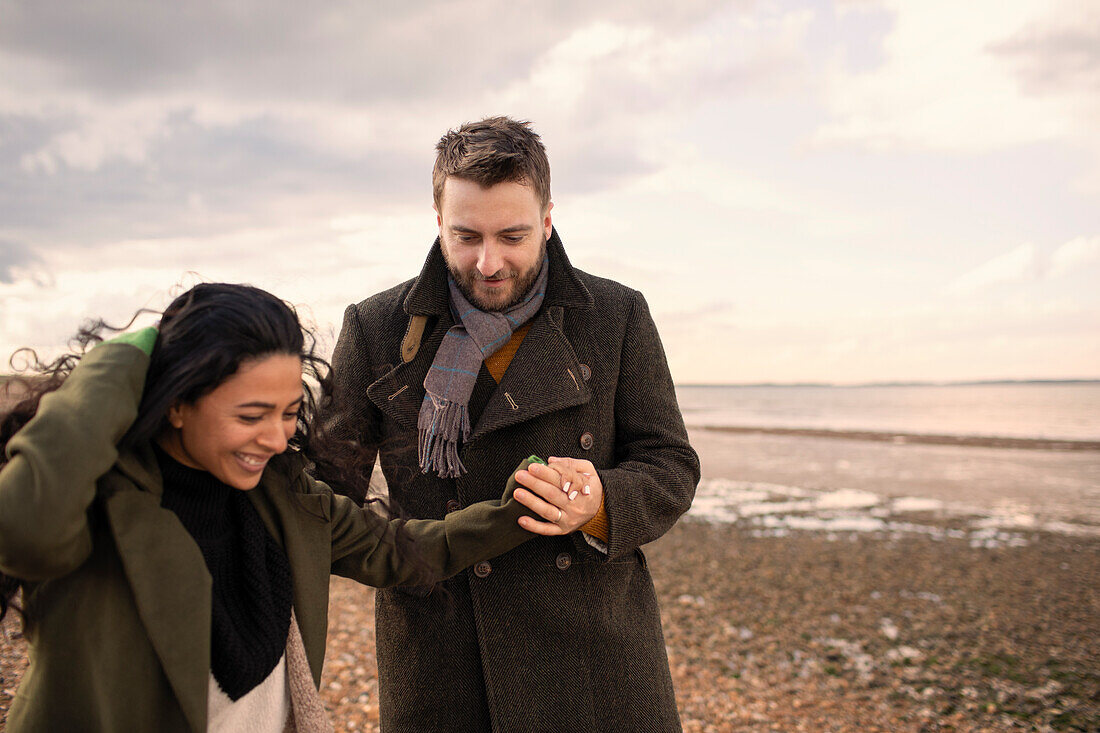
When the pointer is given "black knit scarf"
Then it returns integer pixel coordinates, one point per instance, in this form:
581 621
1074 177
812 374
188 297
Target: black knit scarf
250 572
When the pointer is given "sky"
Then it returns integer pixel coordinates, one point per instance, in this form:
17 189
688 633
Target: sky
805 190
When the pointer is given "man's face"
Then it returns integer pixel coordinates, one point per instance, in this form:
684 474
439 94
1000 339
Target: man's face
493 240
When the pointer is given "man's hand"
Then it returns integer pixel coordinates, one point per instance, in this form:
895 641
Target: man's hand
566 493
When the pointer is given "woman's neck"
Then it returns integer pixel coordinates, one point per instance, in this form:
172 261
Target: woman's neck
169 442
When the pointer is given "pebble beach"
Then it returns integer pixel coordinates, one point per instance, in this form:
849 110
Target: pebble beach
838 609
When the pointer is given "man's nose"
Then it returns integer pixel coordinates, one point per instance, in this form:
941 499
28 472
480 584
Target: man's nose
489 261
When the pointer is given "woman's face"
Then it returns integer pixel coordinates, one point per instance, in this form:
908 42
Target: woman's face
233 431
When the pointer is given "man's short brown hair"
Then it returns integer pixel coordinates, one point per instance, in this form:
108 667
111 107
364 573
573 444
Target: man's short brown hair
494 150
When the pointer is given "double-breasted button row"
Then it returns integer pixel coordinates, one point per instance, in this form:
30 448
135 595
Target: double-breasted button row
453 505
484 568
587 441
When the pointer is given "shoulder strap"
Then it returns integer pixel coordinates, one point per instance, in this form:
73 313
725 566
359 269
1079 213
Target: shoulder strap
411 343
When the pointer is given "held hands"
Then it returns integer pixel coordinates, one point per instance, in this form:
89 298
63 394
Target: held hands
566 493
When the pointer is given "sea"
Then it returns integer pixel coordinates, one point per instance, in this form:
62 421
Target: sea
809 465
1048 410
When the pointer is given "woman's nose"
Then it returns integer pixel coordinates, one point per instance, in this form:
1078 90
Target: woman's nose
274 437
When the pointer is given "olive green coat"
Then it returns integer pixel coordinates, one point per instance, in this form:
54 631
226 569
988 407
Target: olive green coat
117 592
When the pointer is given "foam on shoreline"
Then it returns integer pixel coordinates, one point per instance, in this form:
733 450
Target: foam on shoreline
775 510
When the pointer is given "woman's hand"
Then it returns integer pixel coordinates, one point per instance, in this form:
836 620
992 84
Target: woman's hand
144 339
566 493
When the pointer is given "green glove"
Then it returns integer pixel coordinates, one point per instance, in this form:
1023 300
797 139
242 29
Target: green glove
143 339
510 487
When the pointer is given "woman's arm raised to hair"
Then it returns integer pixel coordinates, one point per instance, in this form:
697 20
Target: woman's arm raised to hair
52 465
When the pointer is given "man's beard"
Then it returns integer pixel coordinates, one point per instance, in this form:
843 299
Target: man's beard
521 284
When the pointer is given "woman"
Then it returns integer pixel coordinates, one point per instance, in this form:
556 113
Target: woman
173 554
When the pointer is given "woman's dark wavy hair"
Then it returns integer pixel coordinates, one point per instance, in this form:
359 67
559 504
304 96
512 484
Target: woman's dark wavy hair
204 336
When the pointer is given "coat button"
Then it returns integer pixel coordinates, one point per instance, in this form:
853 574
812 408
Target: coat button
564 561
453 506
586 372
482 569
587 440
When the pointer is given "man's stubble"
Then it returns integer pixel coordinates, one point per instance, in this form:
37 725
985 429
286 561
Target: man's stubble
523 282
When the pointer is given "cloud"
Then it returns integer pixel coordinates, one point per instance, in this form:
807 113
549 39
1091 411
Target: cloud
1017 265
946 83
179 120
290 145
260 49
1059 54
1075 255
1027 263
320 264
14 258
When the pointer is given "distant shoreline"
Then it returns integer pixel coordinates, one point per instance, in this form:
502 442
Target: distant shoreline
969 441
862 385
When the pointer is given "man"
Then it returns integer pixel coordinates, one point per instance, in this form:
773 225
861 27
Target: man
500 349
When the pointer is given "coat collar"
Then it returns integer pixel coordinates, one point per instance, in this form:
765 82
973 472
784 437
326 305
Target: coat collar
544 375
168 575
429 293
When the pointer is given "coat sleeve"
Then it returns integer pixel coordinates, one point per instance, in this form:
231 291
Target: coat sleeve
364 545
53 462
656 469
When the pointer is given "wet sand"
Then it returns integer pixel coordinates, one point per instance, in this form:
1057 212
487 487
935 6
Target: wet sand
1062 486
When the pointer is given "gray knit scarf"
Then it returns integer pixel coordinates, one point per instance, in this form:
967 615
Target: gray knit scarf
477 334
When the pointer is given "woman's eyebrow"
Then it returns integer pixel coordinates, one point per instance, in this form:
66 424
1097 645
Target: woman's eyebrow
268 405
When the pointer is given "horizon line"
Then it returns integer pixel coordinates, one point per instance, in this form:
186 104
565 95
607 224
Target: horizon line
899 383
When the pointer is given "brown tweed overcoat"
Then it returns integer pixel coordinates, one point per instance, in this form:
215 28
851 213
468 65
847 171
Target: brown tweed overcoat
554 635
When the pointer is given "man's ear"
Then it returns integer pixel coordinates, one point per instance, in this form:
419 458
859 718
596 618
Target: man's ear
547 221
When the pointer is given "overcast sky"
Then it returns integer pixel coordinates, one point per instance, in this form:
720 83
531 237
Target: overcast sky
804 190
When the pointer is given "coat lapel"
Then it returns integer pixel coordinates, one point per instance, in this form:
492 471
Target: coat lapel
168 575
400 392
543 377
299 522
169 579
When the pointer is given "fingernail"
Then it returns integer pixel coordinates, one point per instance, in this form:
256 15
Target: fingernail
565 488
572 495
587 490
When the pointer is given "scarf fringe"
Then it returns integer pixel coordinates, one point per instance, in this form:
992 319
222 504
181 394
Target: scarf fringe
434 448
